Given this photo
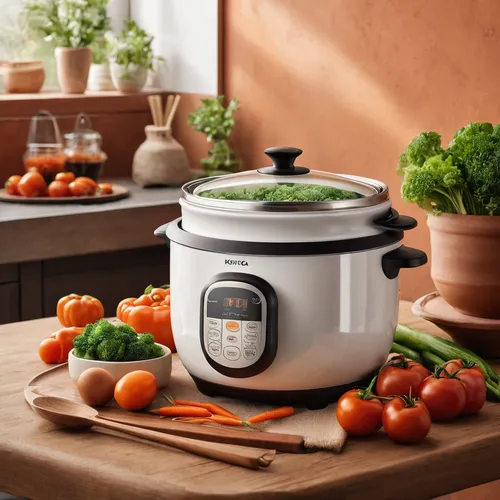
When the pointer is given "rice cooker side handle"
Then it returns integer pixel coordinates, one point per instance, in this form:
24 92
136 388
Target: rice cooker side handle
161 232
402 258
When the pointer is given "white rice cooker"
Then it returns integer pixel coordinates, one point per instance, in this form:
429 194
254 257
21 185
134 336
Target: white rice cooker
285 302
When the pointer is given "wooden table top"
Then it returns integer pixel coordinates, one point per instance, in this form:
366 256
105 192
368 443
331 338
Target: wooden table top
41 462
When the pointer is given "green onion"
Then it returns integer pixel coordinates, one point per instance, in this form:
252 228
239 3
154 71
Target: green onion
406 352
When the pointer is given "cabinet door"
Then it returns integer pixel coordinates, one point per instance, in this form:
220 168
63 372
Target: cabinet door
110 277
9 303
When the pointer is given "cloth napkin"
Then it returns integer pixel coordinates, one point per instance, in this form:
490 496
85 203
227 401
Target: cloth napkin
319 428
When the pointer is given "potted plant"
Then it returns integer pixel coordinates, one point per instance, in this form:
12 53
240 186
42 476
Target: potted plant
72 26
131 57
459 188
217 122
99 73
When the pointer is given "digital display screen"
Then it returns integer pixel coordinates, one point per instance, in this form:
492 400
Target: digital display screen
236 302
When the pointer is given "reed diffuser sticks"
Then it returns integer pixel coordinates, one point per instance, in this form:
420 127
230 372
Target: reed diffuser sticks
163 118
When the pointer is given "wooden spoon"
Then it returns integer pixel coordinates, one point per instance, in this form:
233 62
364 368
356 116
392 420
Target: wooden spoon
68 413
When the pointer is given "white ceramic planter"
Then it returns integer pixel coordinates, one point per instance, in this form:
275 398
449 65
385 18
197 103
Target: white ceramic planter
128 80
160 367
100 77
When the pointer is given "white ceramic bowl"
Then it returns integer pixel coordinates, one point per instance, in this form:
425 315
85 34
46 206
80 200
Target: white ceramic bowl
160 367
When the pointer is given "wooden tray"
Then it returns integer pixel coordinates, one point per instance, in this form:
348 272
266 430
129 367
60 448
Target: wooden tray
480 335
119 192
57 382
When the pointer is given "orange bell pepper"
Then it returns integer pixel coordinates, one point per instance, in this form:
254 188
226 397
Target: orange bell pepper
78 310
149 313
56 348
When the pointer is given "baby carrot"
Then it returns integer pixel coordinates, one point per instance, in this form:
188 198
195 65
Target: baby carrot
283 412
212 408
181 411
214 419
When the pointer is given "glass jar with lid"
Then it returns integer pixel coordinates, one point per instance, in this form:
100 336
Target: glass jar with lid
44 148
84 156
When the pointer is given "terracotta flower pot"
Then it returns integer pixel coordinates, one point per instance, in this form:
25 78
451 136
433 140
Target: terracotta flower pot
73 69
465 263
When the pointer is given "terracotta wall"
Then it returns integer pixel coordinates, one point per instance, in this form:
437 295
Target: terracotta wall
352 81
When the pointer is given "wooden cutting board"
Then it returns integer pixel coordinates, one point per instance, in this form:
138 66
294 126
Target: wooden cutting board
119 192
57 382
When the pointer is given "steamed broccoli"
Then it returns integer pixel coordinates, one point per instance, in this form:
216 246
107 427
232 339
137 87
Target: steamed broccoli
108 342
421 148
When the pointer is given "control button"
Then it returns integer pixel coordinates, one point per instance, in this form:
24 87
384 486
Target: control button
249 353
252 327
232 326
251 346
213 323
214 335
232 339
232 353
214 348
251 337
256 300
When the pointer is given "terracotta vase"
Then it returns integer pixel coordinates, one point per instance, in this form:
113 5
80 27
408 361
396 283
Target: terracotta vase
160 160
465 263
73 69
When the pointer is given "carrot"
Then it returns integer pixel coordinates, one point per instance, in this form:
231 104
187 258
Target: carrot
214 419
181 411
211 407
283 412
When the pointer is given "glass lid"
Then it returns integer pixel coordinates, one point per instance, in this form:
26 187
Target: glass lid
83 131
285 187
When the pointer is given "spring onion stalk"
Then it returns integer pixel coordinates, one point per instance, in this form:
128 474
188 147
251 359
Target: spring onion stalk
430 361
406 352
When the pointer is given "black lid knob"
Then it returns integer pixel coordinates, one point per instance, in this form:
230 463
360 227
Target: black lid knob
283 162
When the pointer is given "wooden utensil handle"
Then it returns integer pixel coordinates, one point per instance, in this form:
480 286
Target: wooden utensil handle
251 458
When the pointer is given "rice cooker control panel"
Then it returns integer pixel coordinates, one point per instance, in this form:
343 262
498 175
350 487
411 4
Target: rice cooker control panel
238 324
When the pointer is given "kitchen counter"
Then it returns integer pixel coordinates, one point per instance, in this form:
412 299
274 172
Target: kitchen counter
38 232
41 462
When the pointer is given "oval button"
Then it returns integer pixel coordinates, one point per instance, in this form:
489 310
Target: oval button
232 353
214 348
250 353
251 337
213 334
252 327
232 339
232 326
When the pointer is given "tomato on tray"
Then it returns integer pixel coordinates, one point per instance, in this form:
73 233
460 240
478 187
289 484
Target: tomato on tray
56 348
406 420
106 188
475 385
359 412
58 189
81 187
400 376
66 177
31 185
11 185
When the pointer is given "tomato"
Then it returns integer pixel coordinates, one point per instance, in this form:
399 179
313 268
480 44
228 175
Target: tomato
444 396
359 413
31 185
81 188
106 188
66 177
58 189
475 385
406 420
65 337
88 181
400 377
136 390
11 185
50 350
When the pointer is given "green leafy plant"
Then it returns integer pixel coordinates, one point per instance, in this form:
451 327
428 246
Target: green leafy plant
217 122
131 47
68 23
462 179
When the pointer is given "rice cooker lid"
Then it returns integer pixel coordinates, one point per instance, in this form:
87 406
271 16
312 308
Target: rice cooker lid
285 187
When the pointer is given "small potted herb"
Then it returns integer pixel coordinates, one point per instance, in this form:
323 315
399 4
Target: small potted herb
72 27
100 74
459 188
131 57
217 122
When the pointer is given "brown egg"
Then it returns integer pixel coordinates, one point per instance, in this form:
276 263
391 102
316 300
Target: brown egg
96 386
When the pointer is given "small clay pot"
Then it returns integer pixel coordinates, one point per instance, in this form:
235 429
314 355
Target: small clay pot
465 264
23 76
73 67
160 160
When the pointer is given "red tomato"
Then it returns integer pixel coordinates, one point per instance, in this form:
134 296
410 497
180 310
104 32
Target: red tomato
59 189
406 420
136 390
31 184
66 177
88 181
81 188
11 185
444 396
400 377
50 350
358 416
475 384
106 188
